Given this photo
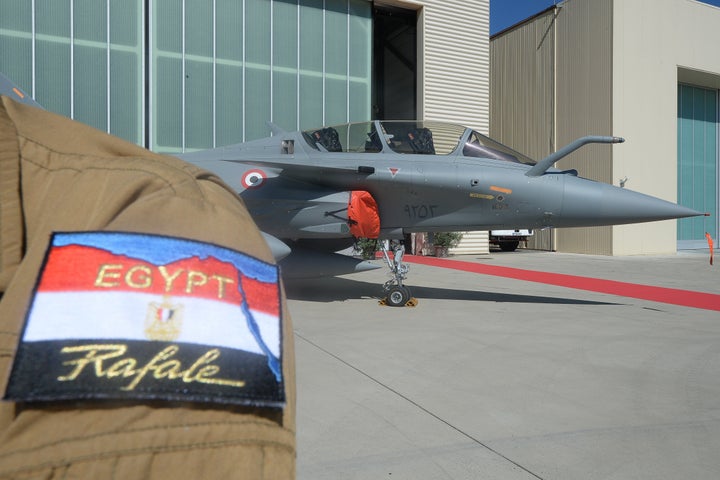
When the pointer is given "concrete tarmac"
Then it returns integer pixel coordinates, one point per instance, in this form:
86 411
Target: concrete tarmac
496 378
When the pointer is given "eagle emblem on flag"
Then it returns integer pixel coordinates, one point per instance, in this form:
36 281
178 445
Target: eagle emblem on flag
163 321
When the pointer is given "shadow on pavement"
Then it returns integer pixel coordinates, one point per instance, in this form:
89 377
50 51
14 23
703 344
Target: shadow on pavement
335 289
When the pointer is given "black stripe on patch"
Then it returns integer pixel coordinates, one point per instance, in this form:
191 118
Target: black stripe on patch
142 370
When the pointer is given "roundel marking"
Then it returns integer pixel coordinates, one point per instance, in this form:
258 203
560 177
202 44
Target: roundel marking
253 178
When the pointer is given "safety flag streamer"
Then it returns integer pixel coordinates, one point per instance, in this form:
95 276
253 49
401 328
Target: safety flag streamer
710 244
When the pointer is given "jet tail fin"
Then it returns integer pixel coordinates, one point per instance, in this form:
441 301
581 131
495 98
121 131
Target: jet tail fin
9 89
275 129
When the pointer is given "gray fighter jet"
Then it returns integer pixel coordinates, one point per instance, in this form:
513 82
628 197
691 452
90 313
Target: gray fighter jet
421 176
313 192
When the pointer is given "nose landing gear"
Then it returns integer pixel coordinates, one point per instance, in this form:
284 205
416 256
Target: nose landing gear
396 294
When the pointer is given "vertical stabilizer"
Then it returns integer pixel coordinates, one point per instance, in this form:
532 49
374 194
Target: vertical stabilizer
9 89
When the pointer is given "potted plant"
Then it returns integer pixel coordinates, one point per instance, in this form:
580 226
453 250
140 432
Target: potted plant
443 241
366 247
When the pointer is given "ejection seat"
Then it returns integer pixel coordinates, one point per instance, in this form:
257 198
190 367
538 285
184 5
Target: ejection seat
327 137
421 141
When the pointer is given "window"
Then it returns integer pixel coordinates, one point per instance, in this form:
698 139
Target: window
221 70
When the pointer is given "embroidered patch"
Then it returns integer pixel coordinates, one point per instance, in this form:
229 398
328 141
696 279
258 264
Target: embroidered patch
135 316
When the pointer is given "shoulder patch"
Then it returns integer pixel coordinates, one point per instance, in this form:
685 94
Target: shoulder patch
142 317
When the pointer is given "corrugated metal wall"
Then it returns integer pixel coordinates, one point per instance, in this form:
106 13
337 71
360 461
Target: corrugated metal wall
551 82
521 82
472 243
522 87
584 83
454 79
584 105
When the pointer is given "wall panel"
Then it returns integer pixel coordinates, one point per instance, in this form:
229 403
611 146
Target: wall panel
455 62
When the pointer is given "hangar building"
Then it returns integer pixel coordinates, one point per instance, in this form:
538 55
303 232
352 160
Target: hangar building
175 75
181 75
644 70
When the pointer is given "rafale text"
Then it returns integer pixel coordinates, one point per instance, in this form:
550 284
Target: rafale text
108 361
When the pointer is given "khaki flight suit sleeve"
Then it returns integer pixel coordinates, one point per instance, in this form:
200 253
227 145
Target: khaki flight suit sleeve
58 175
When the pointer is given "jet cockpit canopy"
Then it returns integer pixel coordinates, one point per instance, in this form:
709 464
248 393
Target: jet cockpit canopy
410 137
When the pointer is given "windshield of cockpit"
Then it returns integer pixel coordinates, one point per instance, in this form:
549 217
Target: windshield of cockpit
421 137
351 137
480 146
407 137
410 137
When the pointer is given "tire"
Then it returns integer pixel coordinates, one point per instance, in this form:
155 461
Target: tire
398 296
509 246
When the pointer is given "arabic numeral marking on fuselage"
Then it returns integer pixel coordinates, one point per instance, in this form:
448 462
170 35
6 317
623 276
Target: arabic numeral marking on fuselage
420 211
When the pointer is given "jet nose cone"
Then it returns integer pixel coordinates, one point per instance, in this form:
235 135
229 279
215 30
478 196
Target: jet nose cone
632 207
603 204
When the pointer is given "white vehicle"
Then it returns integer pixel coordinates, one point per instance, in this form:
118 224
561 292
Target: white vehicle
508 240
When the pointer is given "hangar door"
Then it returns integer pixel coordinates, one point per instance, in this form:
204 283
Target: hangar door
698 173
394 63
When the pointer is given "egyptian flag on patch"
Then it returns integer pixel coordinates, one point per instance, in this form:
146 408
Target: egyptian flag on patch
135 316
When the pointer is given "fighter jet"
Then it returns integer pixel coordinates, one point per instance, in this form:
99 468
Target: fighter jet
313 192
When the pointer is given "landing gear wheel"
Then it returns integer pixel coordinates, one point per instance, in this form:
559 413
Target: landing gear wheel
398 296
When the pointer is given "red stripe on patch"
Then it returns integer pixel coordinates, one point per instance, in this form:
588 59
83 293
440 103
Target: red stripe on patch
262 296
79 268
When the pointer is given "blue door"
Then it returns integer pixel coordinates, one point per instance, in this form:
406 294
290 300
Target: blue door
697 163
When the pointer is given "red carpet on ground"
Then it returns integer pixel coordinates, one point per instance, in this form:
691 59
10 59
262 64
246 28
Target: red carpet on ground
685 298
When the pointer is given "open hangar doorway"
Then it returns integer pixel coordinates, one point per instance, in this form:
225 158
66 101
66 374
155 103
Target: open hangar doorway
395 63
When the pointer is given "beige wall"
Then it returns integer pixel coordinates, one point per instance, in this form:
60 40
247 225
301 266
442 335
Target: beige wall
617 64
653 39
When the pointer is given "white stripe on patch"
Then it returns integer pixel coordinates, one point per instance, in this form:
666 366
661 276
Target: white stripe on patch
120 315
